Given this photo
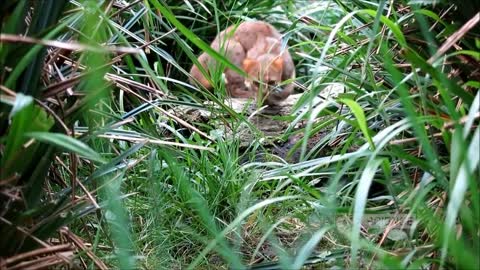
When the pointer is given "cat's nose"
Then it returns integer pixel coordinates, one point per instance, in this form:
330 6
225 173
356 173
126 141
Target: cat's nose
271 82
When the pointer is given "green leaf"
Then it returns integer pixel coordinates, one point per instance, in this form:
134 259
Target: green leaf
307 249
193 38
360 203
400 38
361 119
240 218
443 81
66 143
466 172
31 56
21 101
30 118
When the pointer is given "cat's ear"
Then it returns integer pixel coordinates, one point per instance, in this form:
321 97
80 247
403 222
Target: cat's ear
277 64
248 64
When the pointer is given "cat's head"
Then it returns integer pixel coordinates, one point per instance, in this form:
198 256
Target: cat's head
264 73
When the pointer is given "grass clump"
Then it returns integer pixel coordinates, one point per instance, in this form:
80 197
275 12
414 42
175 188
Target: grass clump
102 133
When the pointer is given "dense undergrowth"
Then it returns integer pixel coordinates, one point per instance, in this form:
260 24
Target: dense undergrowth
101 169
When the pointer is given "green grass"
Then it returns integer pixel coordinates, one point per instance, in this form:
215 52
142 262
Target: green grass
146 185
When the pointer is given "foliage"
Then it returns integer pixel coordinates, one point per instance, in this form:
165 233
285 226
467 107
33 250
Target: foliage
91 126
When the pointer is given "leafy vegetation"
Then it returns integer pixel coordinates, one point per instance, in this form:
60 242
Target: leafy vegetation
109 158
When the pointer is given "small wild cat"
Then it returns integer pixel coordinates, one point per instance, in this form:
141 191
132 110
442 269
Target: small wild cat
256 48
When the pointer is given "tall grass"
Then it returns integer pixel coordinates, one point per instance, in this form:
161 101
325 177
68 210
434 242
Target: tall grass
112 144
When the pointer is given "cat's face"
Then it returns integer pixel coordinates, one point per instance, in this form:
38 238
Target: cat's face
264 73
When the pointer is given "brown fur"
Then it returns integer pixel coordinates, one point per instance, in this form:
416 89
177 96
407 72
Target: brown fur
256 48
